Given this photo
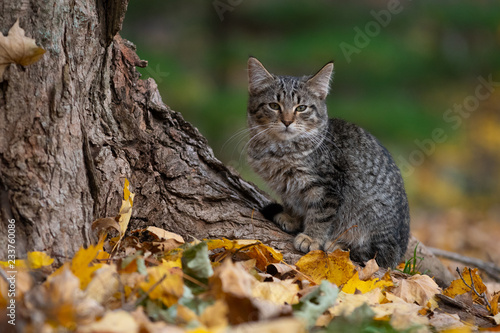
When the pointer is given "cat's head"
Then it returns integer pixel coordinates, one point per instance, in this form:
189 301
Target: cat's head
287 107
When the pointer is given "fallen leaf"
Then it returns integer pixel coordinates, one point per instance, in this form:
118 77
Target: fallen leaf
215 316
335 267
118 321
278 292
232 278
35 260
82 265
17 48
39 259
164 282
448 322
288 325
356 284
247 249
370 268
417 288
458 287
312 305
104 284
60 301
195 263
125 213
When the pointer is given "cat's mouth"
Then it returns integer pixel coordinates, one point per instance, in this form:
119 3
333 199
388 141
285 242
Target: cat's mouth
287 133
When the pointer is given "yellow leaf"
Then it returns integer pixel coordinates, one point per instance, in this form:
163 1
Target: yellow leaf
118 321
335 267
164 282
39 259
417 288
457 287
355 283
17 48
215 315
278 292
126 208
82 266
35 260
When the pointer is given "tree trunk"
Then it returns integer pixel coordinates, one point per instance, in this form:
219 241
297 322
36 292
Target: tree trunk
76 123
79 121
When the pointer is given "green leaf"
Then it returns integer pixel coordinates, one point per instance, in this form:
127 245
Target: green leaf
196 264
315 303
361 320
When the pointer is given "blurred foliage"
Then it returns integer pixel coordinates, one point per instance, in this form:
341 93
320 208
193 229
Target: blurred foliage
399 86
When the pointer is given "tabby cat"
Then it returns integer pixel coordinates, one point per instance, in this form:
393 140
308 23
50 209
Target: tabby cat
339 187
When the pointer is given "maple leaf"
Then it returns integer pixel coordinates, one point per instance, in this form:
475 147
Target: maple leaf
17 48
335 267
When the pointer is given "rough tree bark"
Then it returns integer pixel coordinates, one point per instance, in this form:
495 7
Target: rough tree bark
75 124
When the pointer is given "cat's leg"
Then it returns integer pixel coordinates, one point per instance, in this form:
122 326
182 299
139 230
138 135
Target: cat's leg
319 216
315 232
275 212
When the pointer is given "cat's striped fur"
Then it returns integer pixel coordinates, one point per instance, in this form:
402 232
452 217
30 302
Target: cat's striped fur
339 186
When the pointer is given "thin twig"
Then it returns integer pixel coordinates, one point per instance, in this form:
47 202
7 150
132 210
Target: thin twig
473 288
489 268
297 271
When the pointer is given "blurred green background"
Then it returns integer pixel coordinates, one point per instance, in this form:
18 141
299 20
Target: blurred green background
399 76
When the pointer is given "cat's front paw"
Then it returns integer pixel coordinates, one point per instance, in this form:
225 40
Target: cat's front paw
287 223
305 243
274 212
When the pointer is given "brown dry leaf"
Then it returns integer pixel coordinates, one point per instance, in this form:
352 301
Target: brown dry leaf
17 48
335 267
60 301
449 323
417 288
119 321
457 287
104 284
232 278
155 239
248 249
282 325
146 326
370 268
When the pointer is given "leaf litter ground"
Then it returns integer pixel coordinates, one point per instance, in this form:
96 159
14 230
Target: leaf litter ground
150 281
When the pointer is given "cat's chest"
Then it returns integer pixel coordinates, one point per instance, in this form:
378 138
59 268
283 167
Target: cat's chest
287 175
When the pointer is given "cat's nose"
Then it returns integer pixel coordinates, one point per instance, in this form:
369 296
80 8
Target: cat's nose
287 122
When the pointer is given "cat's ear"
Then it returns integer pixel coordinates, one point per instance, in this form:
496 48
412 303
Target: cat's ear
319 83
258 77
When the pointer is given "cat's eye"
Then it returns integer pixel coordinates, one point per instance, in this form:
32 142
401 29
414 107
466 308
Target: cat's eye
301 108
275 106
